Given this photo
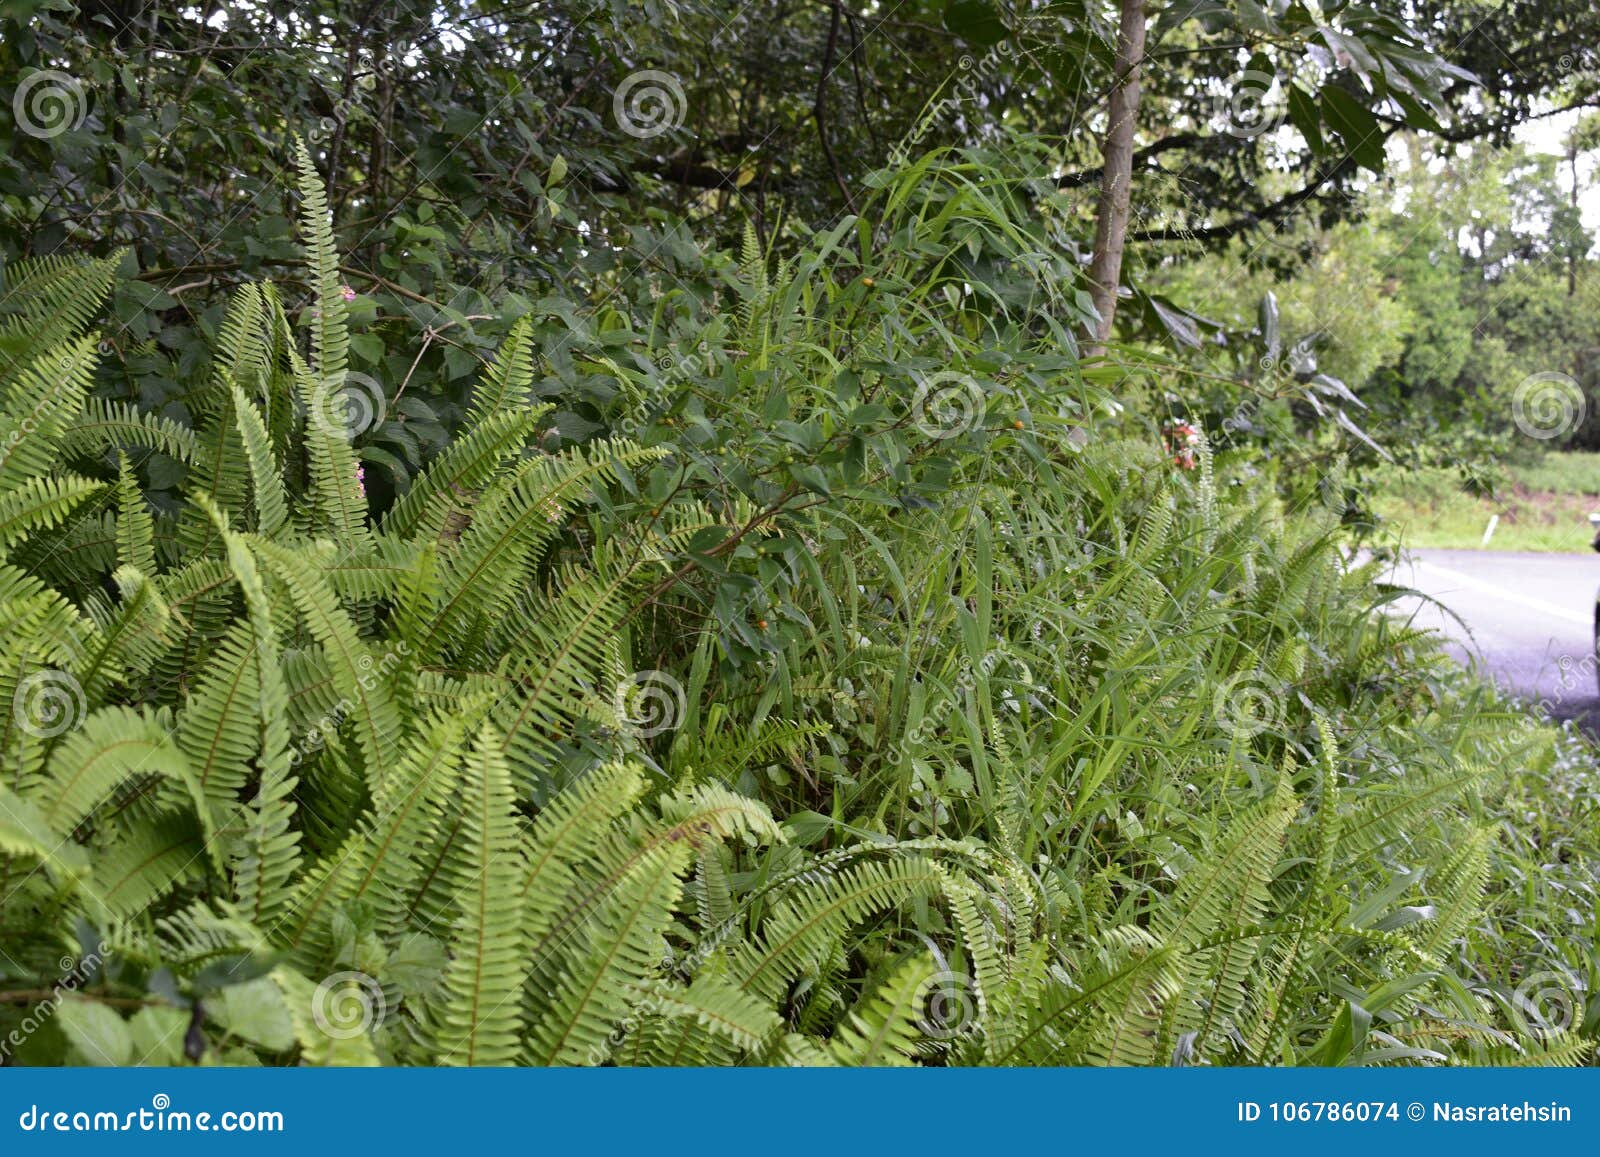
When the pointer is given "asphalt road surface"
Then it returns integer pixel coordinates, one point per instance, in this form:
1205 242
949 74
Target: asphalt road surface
1528 619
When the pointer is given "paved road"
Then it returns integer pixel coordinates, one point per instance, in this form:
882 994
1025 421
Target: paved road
1527 618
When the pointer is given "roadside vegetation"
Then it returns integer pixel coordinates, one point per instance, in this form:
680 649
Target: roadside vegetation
550 595
1538 505
1079 757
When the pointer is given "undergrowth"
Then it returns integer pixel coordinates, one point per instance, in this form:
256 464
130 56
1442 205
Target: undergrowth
788 661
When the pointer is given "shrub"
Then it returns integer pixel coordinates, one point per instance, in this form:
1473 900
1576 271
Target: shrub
854 685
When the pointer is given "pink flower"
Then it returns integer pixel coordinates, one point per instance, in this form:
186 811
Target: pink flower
1180 440
347 293
361 479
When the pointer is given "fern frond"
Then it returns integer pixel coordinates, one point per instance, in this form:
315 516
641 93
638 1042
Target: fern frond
446 491
56 297
336 504
713 1004
266 480
357 677
505 387
136 546
883 1029
621 943
146 862
112 747
567 830
479 1018
330 339
481 578
106 425
802 927
47 396
41 503
307 1008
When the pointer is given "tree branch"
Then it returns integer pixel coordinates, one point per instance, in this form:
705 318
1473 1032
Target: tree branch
1140 157
819 106
1275 210
1111 216
1263 216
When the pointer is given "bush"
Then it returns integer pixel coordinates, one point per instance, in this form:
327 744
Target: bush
805 662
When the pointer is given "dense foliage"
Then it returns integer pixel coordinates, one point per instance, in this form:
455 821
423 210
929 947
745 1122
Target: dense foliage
1457 306
799 658
477 152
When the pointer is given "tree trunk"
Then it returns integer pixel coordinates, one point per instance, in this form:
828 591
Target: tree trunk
1111 218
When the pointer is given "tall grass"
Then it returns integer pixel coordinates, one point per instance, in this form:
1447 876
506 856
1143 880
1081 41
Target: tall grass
989 734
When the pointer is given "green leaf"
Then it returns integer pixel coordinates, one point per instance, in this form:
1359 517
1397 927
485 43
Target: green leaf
367 347
156 1032
1358 129
1307 118
975 22
97 1031
1268 321
255 1010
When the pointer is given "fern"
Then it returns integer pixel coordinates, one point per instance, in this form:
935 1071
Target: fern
479 1020
949 727
884 1030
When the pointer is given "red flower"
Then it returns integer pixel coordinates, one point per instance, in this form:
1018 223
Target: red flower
1180 440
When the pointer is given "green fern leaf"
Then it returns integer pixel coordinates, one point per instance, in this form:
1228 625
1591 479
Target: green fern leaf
479 1019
